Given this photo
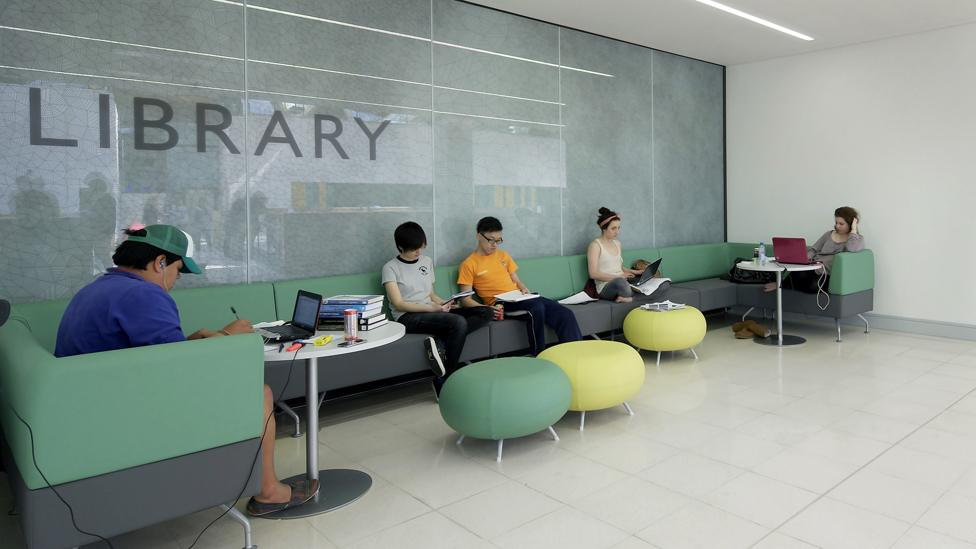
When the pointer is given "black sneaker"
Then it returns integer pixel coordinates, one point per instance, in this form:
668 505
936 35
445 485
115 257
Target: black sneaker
434 357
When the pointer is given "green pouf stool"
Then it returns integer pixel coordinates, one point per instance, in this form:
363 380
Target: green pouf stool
505 398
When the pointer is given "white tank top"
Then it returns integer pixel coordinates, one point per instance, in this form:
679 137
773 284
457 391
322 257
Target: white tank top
610 263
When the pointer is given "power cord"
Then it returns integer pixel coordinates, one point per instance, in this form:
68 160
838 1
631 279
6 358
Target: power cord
256 454
71 511
820 289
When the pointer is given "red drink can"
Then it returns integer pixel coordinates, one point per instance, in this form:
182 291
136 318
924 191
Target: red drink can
350 319
499 311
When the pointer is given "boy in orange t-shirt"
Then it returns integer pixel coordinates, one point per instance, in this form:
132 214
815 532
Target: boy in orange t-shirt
490 271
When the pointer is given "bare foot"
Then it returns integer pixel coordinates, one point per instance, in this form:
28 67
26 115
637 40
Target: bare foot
281 493
622 299
769 287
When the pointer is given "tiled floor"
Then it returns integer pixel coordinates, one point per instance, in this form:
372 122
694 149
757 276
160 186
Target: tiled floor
868 443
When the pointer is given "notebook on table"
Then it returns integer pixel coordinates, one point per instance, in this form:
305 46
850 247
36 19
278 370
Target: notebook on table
303 320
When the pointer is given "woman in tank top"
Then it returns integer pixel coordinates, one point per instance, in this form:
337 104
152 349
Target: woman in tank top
604 258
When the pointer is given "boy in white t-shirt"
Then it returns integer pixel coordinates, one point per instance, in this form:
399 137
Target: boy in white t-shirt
409 282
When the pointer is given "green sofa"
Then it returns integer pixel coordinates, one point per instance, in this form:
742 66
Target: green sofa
202 399
129 438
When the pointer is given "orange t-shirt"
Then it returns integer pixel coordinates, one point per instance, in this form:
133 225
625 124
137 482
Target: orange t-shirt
488 275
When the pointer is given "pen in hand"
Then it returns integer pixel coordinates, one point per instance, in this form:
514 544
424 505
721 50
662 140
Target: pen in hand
233 310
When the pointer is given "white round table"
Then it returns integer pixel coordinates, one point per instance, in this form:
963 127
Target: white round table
772 266
337 487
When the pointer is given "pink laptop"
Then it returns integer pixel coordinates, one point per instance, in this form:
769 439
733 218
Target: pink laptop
792 251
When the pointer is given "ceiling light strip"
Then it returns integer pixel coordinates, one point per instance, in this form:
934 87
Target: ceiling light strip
87 75
754 19
119 43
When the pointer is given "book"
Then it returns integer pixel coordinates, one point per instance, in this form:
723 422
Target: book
515 295
651 285
460 295
576 299
338 317
353 299
339 308
666 305
339 326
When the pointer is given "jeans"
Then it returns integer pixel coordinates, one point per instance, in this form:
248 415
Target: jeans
451 329
546 312
618 287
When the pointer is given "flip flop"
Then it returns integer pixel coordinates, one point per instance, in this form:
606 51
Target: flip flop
302 490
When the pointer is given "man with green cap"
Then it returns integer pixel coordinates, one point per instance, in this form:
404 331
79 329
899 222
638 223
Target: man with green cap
130 306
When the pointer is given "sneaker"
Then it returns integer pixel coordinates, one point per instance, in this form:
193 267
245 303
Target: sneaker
434 357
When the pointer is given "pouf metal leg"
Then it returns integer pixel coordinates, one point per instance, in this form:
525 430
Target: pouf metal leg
553 433
694 353
582 419
501 442
460 439
628 408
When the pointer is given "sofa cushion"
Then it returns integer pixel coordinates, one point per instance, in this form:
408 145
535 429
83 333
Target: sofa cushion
713 293
550 276
650 254
445 281
42 318
682 263
852 272
209 307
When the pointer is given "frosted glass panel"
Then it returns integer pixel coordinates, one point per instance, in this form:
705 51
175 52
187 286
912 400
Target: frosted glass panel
290 137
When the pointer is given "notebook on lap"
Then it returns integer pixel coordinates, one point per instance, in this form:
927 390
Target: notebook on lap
303 320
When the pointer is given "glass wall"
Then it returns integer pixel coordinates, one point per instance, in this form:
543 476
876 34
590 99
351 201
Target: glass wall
291 137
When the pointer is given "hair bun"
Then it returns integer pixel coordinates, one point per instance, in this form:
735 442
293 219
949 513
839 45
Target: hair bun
604 210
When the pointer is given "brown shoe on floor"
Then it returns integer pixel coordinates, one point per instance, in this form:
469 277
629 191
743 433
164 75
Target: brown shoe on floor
739 326
758 329
744 333
302 490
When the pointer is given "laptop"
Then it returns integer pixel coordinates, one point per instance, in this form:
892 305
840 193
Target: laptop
792 251
303 320
649 272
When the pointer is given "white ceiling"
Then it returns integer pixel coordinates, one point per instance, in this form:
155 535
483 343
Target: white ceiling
689 28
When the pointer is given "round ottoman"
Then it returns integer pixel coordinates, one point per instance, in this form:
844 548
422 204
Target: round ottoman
505 398
665 330
603 373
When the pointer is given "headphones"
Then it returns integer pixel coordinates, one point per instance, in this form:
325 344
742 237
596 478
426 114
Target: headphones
162 263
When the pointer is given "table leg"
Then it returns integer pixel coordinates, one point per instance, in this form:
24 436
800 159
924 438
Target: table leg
337 487
781 339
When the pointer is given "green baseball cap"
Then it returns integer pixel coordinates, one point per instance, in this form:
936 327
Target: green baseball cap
173 240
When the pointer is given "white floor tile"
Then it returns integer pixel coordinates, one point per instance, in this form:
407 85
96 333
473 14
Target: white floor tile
760 499
953 515
430 531
682 433
920 538
763 400
781 430
573 479
832 524
890 496
804 470
782 541
631 504
952 421
627 452
691 474
945 444
633 543
501 509
740 450
902 409
842 447
922 467
564 529
880 428
382 507
701 525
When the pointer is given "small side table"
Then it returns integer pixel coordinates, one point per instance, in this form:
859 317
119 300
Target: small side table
778 268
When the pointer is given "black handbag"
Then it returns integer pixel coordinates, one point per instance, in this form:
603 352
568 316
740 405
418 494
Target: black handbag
742 276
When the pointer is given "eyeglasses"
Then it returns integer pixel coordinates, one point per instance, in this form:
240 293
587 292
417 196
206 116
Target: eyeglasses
495 241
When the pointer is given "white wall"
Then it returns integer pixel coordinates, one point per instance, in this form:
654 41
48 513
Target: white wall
888 127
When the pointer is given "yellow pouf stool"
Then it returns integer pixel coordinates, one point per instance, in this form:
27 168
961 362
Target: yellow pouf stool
660 331
603 374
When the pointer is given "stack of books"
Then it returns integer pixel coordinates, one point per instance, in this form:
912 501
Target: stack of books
370 308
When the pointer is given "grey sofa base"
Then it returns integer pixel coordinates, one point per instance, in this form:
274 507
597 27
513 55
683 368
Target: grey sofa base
134 498
406 356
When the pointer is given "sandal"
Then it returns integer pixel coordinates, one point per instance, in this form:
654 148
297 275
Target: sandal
302 490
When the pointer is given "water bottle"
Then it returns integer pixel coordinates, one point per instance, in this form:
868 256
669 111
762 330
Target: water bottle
762 253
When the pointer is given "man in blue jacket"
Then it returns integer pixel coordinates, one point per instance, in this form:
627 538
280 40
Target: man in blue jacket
130 306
